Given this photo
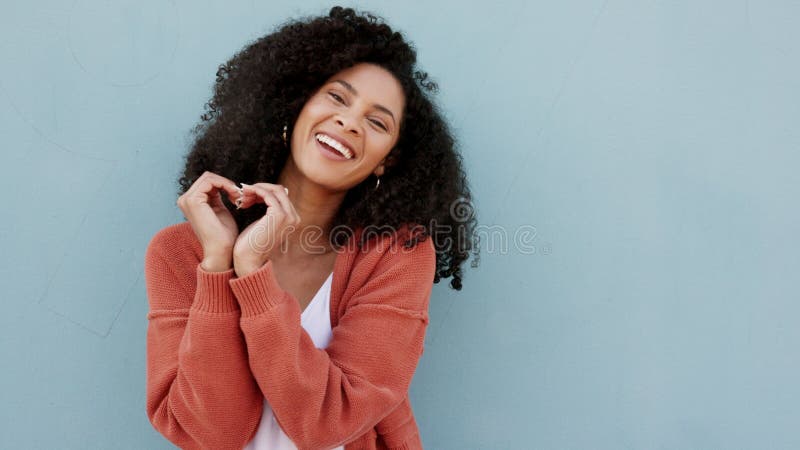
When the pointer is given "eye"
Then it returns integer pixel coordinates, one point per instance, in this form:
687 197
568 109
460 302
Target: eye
338 99
378 124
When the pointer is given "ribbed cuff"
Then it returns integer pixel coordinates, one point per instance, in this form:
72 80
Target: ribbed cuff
213 292
258 291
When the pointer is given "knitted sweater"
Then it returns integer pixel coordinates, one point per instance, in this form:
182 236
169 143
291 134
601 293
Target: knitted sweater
217 345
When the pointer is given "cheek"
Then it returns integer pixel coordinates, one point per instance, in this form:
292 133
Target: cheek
386 141
378 147
319 106
311 113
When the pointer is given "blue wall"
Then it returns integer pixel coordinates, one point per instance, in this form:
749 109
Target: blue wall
648 149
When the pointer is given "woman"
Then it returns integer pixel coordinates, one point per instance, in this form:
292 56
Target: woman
291 312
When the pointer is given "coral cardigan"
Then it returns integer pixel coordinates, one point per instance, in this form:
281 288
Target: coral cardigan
218 345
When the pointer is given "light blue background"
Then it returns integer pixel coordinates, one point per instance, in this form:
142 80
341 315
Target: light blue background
649 148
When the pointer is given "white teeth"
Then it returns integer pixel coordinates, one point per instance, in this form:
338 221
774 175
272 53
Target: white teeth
335 144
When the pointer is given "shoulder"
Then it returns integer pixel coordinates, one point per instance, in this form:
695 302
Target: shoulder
389 247
392 273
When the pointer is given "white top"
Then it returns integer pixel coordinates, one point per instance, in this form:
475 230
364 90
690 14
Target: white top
316 320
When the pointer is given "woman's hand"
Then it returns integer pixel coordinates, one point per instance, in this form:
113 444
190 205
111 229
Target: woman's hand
211 221
264 237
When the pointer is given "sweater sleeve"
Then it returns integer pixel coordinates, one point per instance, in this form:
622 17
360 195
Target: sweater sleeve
322 398
200 392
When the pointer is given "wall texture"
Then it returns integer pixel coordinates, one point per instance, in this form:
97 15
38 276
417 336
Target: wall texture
634 165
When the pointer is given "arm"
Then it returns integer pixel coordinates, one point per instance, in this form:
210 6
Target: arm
200 393
326 397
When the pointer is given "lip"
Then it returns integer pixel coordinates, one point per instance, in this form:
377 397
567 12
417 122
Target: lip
332 155
339 138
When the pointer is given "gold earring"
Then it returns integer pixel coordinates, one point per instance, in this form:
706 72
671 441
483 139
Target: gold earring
285 127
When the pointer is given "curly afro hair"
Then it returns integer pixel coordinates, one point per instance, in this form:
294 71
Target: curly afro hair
266 84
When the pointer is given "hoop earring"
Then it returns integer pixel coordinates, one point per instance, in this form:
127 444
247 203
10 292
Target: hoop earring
285 127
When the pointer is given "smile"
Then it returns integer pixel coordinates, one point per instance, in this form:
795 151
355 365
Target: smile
330 152
333 145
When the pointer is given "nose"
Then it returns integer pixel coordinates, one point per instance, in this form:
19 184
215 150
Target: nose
347 124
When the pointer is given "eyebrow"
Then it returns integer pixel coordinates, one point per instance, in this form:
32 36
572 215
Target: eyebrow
354 92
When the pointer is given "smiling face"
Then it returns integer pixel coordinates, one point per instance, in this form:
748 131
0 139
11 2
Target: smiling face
359 108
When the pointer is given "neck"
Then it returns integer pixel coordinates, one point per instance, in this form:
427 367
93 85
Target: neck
316 207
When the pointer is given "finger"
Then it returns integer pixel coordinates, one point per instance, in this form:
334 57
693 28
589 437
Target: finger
279 193
224 184
248 197
209 182
268 197
209 191
287 201
215 200
283 195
